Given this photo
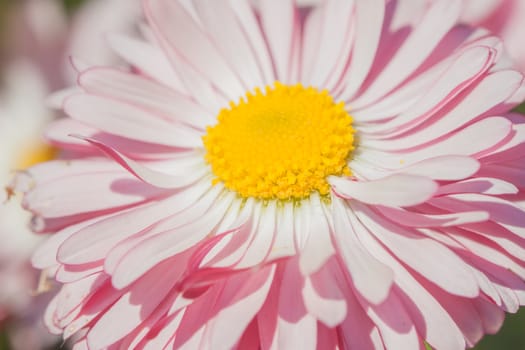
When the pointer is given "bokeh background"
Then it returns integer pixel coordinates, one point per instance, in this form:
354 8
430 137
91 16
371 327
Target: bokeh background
12 46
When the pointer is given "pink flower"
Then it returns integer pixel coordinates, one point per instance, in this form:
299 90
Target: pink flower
503 17
22 118
37 41
345 176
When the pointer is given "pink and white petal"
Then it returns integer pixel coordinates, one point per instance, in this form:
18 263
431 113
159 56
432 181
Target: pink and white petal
394 323
261 242
56 99
357 331
503 212
104 297
165 334
79 194
148 59
70 273
220 21
369 19
399 100
240 300
146 94
430 318
45 256
172 23
284 243
232 246
318 247
335 33
246 16
278 20
482 185
462 73
297 329
444 168
420 254
125 315
189 215
439 19
413 219
509 173
312 32
395 190
167 244
72 295
125 120
323 298
370 277
472 140
464 314
480 100
491 315
490 252
155 178
93 242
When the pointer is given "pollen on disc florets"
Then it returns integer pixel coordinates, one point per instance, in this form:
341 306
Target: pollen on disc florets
280 144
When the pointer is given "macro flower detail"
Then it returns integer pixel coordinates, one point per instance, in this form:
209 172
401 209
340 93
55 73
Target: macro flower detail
345 175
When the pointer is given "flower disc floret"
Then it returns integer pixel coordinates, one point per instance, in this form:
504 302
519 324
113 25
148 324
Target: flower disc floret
280 144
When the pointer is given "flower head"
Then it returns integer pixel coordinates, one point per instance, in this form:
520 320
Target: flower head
345 175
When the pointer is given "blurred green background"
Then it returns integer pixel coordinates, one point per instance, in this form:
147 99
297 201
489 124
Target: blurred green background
511 336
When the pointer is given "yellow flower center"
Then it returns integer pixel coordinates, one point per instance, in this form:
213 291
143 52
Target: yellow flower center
281 144
35 153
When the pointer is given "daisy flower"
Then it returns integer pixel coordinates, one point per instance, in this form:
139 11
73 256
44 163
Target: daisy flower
338 176
37 45
22 118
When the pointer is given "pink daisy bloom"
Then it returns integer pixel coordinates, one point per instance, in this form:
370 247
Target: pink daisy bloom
37 46
342 176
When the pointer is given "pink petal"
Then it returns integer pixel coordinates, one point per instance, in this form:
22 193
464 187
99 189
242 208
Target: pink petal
461 74
166 244
323 298
369 19
412 219
480 100
440 17
126 314
318 247
149 176
395 190
172 23
221 23
370 278
420 254
483 185
430 318
145 94
81 194
249 22
131 122
394 323
262 240
332 47
93 242
148 58
278 19
446 168
238 303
